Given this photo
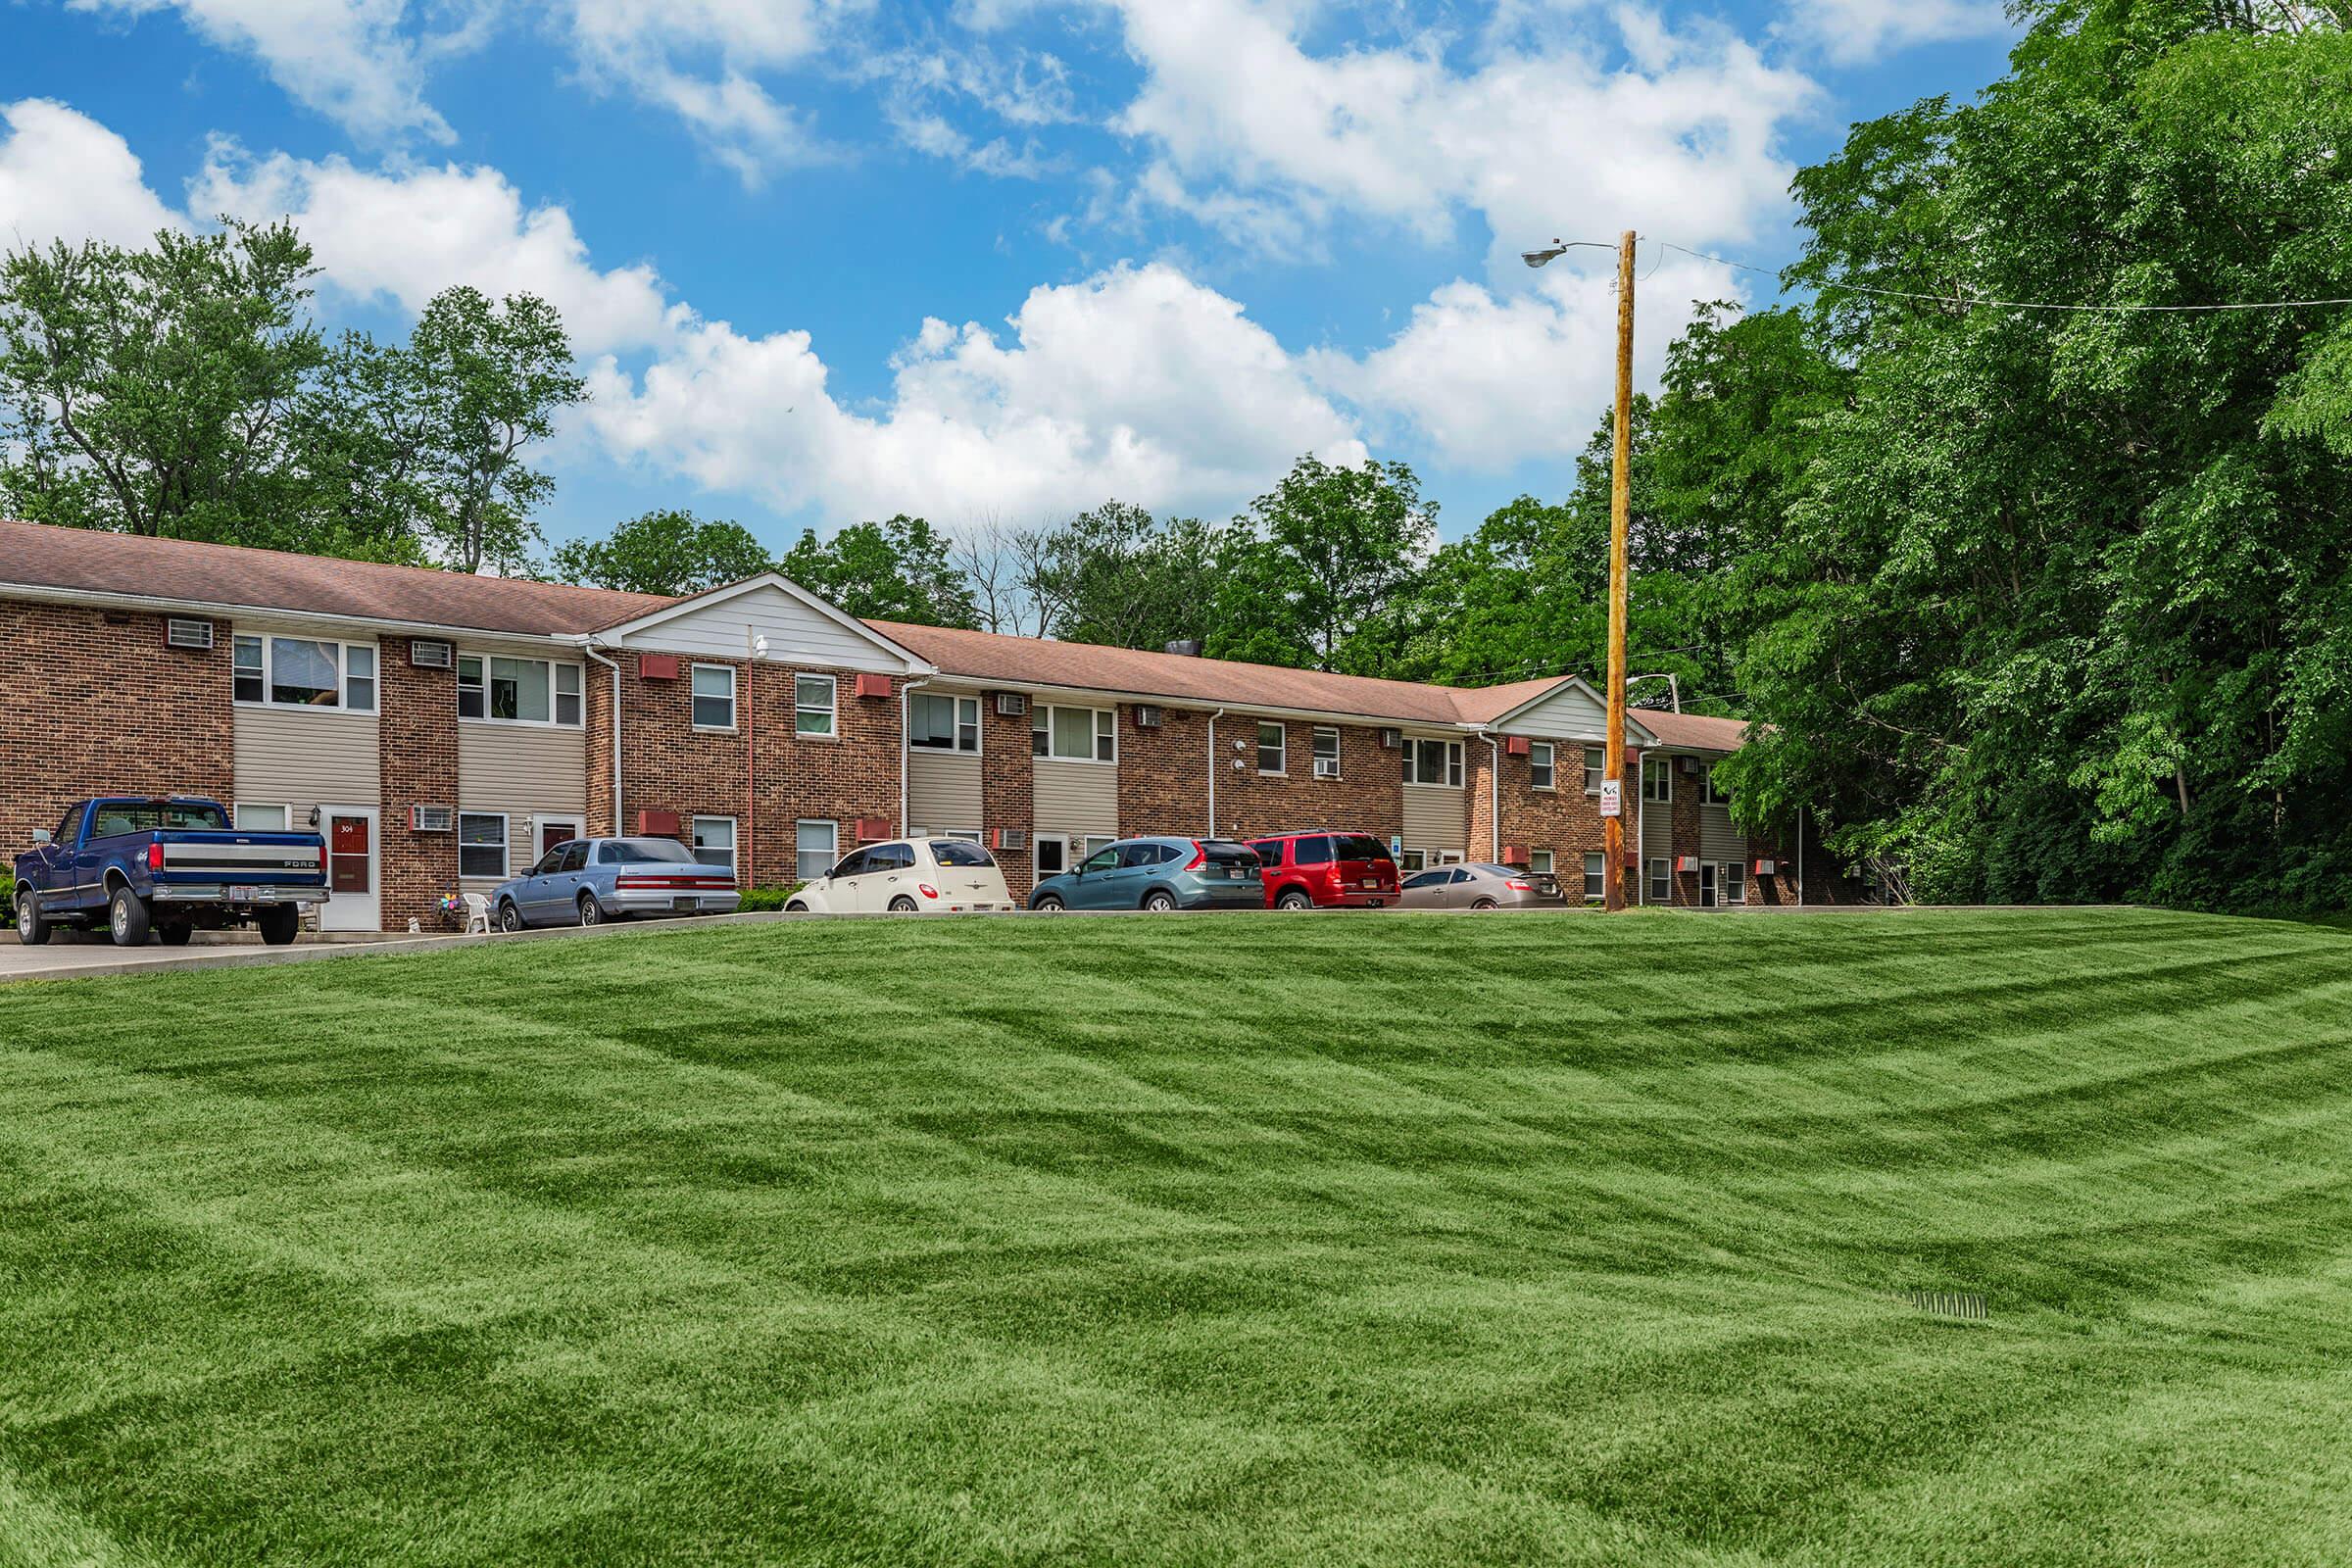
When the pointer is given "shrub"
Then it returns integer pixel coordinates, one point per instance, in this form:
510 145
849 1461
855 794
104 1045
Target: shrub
755 900
8 895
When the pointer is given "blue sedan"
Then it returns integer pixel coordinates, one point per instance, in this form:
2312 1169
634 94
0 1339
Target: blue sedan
589 881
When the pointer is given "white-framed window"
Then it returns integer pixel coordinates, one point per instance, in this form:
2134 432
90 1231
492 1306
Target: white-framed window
1661 880
1540 861
1053 857
1543 771
1097 843
936 722
1327 752
267 670
1073 734
815 846
482 845
500 690
715 841
1596 767
1432 762
815 707
1714 795
1597 868
713 696
1734 878
255 817
1273 747
1657 779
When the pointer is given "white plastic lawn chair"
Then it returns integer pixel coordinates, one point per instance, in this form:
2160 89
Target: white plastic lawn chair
477 914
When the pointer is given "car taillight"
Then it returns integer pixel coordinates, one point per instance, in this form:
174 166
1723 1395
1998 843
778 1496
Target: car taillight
155 857
927 890
1520 887
1199 856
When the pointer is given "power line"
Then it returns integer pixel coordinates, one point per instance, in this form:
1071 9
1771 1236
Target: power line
1973 301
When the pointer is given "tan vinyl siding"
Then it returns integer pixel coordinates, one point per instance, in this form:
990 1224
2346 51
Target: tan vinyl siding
1076 798
1435 818
1657 828
521 768
1718 840
942 790
298 758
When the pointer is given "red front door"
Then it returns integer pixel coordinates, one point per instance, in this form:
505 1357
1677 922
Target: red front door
552 833
349 868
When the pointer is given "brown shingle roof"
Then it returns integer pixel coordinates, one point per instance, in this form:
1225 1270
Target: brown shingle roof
1696 730
184 571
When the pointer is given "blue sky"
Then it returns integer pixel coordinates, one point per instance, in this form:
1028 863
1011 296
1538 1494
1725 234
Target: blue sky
990 260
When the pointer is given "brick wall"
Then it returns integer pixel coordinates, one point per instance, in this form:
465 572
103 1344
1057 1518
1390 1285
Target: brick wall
94 704
1368 796
1008 790
1164 773
418 732
670 765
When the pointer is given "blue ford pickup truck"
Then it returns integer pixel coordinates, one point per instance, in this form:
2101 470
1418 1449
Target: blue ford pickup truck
168 865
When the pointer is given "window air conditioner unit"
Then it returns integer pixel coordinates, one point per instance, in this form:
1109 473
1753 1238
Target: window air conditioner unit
1767 867
1011 705
1391 739
1008 838
1515 745
188 633
1689 766
1686 862
1327 768
873 685
431 819
1147 717
431 653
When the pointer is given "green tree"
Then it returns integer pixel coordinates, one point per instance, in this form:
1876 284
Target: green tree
2064 608
900 569
149 391
1117 575
662 551
1317 573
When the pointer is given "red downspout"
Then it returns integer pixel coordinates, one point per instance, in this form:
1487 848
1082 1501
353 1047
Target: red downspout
751 769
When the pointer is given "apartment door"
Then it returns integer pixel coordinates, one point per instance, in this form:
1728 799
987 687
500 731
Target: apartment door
555 830
1706 884
352 852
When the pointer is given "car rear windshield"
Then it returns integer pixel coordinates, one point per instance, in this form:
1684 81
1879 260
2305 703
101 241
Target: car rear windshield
117 817
960 851
1362 847
669 851
1224 852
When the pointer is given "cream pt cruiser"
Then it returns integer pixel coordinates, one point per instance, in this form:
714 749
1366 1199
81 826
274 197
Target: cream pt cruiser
907 876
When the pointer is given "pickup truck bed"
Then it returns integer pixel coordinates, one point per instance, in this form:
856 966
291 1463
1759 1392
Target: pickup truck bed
171 866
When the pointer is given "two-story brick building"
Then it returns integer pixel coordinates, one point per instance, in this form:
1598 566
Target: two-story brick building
442 729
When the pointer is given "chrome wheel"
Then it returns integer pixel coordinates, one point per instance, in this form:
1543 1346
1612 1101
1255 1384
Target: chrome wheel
510 918
591 911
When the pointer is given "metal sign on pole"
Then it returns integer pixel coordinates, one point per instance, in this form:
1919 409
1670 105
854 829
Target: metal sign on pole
1612 799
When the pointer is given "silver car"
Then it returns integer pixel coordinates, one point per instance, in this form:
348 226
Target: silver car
1480 886
589 881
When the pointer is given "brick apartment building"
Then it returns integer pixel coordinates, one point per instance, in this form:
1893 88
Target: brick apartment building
441 730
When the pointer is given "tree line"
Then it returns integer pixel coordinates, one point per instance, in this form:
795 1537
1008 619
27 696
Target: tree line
2032 604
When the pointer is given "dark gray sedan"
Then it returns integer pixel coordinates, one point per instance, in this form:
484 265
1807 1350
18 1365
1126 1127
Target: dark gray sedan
1480 886
589 881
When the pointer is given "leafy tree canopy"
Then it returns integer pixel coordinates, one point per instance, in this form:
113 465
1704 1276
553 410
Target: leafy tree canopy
900 569
662 551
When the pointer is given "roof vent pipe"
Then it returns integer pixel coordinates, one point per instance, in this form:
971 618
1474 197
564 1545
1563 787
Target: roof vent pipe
1186 648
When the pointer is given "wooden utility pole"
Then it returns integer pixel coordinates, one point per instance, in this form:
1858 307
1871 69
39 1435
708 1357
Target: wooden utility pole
1612 827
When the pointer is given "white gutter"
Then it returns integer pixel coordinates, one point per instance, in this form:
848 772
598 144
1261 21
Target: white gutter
443 631
590 650
1212 770
1640 837
906 710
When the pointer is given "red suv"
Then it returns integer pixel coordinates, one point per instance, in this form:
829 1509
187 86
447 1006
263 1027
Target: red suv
1326 871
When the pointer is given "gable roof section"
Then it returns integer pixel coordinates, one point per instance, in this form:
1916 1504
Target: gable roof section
1699 732
668 611
235 577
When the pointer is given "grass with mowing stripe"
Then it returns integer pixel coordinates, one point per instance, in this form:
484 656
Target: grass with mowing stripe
1199 1240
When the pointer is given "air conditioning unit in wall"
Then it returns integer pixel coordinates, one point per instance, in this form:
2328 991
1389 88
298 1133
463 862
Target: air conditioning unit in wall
1690 766
431 653
1515 745
873 685
1008 838
431 819
197 634
1767 867
1011 705
1686 862
1147 717
1327 768
1391 739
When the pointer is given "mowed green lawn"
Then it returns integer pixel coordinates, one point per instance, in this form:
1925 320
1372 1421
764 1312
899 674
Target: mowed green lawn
1198 1240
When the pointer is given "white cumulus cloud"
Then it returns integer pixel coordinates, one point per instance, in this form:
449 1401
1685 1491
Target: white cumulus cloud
1853 32
64 177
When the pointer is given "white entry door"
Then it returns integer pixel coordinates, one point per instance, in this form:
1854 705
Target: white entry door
354 869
